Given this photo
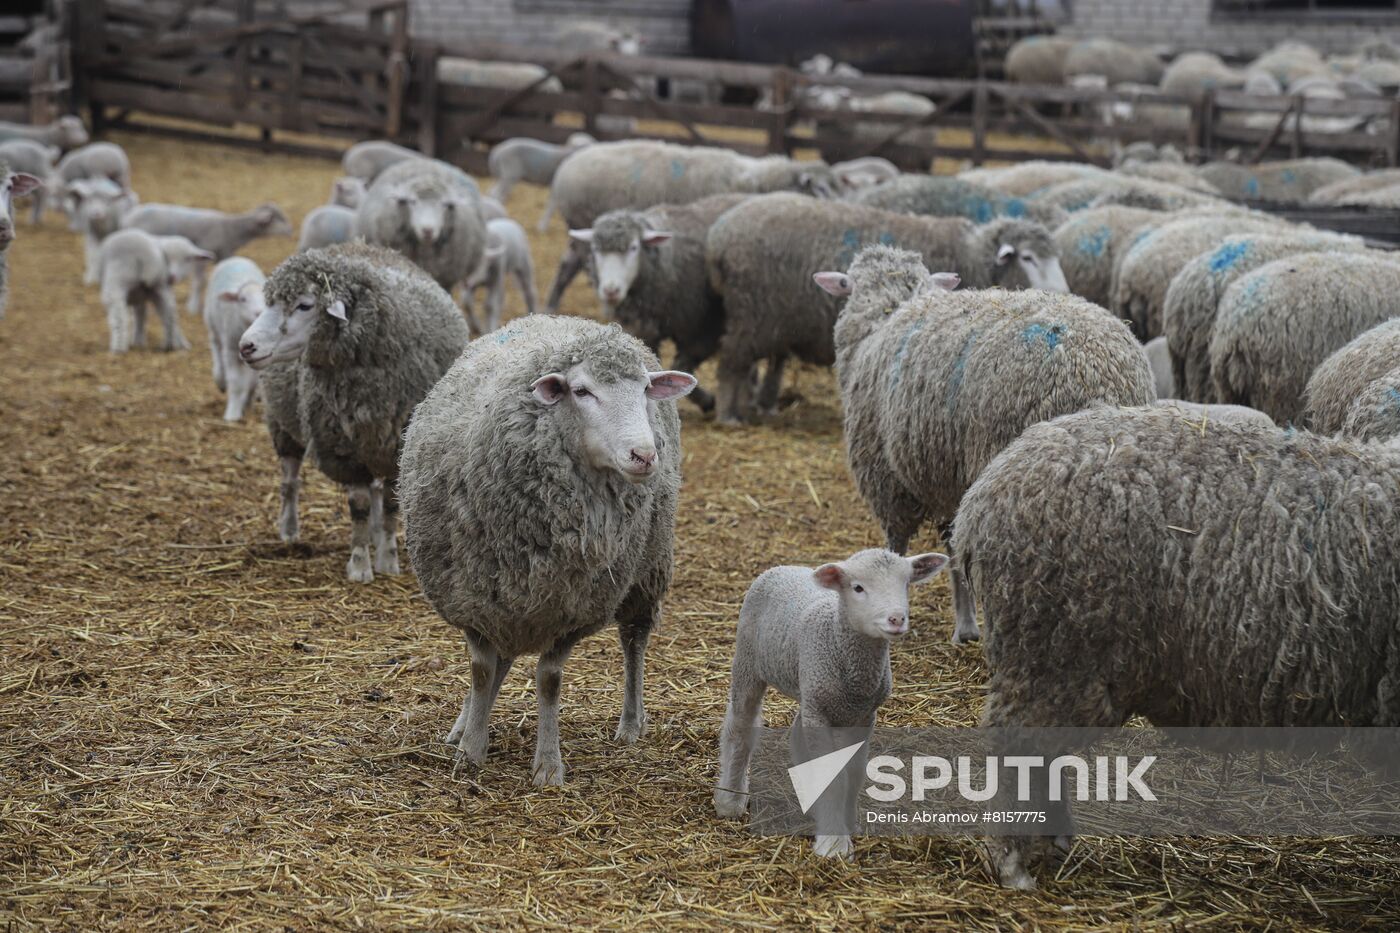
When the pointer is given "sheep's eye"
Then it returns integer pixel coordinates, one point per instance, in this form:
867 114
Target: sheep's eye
1027 257
305 305
634 247
581 392
857 588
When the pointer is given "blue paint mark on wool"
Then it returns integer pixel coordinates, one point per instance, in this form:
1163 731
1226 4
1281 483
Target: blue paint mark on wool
1015 207
1227 255
635 176
850 242
1050 335
1095 241
897 366
677 168
1392 398
1288 176
1251 187
959 370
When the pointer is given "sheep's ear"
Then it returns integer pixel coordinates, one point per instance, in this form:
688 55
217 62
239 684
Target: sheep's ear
669 384
549 389
21 183
336 309
655 237
1005 253
835 283
494 252
202 255
945 280
230 296
831 576
924 566
582 236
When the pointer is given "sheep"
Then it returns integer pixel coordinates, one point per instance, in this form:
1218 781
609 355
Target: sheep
1388 197
373 334
234 300
597 37
1120 188
1194 73
838 139
491 209
821 637
865 172
649 267
1276 324
348 191
367 159
1191 302
511 76
1145 271
1172 173
1358 184
1209 414
1375 412
430 212
218 233
507 254
1090 242
1290 180
136 269
1243 576
1037 60
540 481
67 132
325 226
760 254
944 196
1343 376
12 185
281 414
522 159
96 160
1027 178
1118 62
640 174
1289 61
933 385
96 207
25 156
1159 358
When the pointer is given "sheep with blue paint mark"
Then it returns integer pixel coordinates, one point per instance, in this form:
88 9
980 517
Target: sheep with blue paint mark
945 196
761 255
1375 412
1285 181
1089 243
1026 178
1098 190
935 382
1345 375
1192 299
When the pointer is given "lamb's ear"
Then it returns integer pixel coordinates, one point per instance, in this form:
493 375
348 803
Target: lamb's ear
669 384
21 183
831 576
549 389
925 566
834 283
944 280
1005 253
583 236
495 251
655 237
202 255
230 296
336 309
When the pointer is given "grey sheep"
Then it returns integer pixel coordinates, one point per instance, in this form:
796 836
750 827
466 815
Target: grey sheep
1243 576
1027 178
1144 272
1193 298
1118 62
821 637
96 160
532 160
67 132
231 305
649 267
1342 378
1289 61
220 233
373 334
1194 73
1159 358
367 159
12 185
637 175
1278 323
934 387
430 212
1118 188
540 479
1337 191
507 255
1037 60
136 270
1287 181
95 208
326 225
761 255
1375 412
27 157
1090 242
1206 415
1172 173
945 196
348 191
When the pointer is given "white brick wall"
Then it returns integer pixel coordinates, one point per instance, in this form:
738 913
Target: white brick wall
663 25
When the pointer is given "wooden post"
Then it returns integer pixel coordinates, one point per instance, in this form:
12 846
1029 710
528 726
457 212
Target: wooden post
89 43
782 111
592 95
240 57
1393 146
1207 130
291 104
1298 126
428 101
398 75
980 102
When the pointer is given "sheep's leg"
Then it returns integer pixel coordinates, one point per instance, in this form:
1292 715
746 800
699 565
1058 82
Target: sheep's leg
635 622
543 225
570 264
196 288
495 302
699 395
527 289
37 213
469 307
471 733
549 675
170 320
742 720
964 603
358 569
814 735
772 384
502 188
216 354
288 525
119 315
90 252
386 531
734 393
138 315
242 382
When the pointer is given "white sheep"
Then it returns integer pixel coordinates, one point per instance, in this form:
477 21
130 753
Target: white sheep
12 184
137 269
96 207
507 254
348 191
234 300
521 159
325 226
367 159
32 158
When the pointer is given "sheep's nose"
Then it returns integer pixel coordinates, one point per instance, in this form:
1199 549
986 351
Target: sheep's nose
644 457
897 623
247 349
427 234
612 292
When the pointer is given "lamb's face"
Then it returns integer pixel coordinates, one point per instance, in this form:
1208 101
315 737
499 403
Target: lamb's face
273 222
611 422
873 587
1029 264
617 256
98 204
282 330
182 258
13 185
73 132
246 302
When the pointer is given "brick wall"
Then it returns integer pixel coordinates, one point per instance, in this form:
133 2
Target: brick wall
1188 24
662 25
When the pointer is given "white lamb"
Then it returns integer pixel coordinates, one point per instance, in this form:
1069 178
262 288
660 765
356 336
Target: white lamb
234 300
137 269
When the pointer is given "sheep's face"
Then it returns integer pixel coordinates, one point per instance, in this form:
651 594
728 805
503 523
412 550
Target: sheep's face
348 192
617 256
97 205
72 131
1028 260
873 587
281 331
182 258
428 218
611 422
247 302
14 185
273 222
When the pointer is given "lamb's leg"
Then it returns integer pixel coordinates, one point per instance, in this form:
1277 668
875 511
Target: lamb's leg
471 733
358 569
242 382
119 315
634 624
170 320
192 303
814 735
495 302
772 386
469 307
386 533
742 720
502 188
527 289
91 246
543 225
700 396
570 264
549 674
216 355
37 214
138 315
288 525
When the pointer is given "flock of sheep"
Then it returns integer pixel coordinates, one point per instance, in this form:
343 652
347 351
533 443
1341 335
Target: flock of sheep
1151 422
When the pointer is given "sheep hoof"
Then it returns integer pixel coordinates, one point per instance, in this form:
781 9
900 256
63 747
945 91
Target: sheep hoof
962 636
358 569
289 533
1007 861
731 806
549 773
630 730
832 847
387 563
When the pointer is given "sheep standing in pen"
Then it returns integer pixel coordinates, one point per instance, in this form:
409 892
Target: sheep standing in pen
1244 576
95 208
649 267
430 212
944 196
1101 190
1190 305
12 185
232 304
641 174
67 132
1090 242
327 225
1037 60
26 157
373 334
1338 191
1027 178
1279 322
97 160
348 191
1118 62
218 233
1288 181
367 159
761 255
507 254
1346 374
821 637
532 160
934 388
540 479
136 270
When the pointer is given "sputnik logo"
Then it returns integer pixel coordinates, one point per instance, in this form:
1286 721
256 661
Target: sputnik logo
811 778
